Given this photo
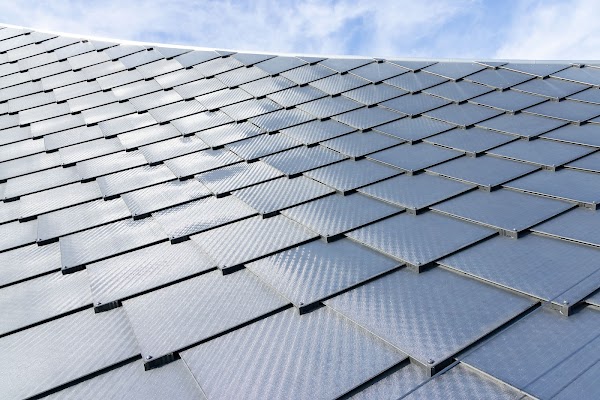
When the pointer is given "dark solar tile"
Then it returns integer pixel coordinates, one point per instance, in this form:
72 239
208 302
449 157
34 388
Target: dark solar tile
400 309
523 125
454 70
366 118
463 115
578 225
415 104
576 186
359 144
499 78
270 197
349 175
224 180
244 364
301 159
64 345
329 106
281 119
586 75
262 145
22 306
201 215
589 163
508 211
553 88
546 153
569 359
414 129
572 111
333 215
413 158
311 272
458 91
415 81
472 141
537 69
591 95
374 94
250 239
415 192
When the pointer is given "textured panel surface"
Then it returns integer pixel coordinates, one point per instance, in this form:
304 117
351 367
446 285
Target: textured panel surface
243 362
64 347
395 385
27 262
401 309
214 303
420 239
316 270
252 238
578 225
237 176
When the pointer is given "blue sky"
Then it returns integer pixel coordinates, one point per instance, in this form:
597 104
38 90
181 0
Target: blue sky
517 29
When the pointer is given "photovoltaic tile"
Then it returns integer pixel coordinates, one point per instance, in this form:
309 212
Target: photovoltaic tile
523 125
464 114
472 141
329 106
224 180
378 72
547 153
28 262
572 111
316 131
454 70
415 81
57 198
508 100
157 152
552 88
201 161
135 178
415 104
147 135
578 225
262 145
588 134
458 91
301 159
374 94
109 164
412 158
499 78
414 129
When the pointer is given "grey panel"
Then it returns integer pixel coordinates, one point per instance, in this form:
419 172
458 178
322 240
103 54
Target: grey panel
296 95
21 149
345 64
57 198
588 134
176 110
262 145
572 111
499 78
250 108
317 270
138 271
277 65
197 216
534 68
415 157
301 159
224 180
57 124
415 104
534 265
147 135
395 385
454 70
420 239
196 57
202 161
201 121
218 65
136 89
110 163
378 72
27 165
103 69
366 118
214 303
552 362
127 123
359 144
159 67
553 88
119 79
472 141
17 234
135 178
414 82
63 351
240 76
508 100
349 175
156 99
589 163
31 101
523 125
317 131
547 153
458 91
249 59
461 382
414 129
87 150
39 181
15 134
281 119
91 100
415 192
28 262
87 59
565 184
221 98
199 88
72 90
591 95
590 76
272 196
242 362
508 211
400 309
132 382
333 215
485 171
144 201
253 238
43 112
108 240
337 84
265 86
585 384
464 114
307 74
42 298
140 58
81 217
374 94
176 78
578 225
160 151
328 106
225 134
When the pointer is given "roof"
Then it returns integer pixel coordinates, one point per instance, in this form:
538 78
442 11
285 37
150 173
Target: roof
180 223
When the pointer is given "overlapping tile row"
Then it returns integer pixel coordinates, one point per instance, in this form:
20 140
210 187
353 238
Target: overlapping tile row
212 224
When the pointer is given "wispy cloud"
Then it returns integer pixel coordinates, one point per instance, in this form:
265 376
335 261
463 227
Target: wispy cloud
403 28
